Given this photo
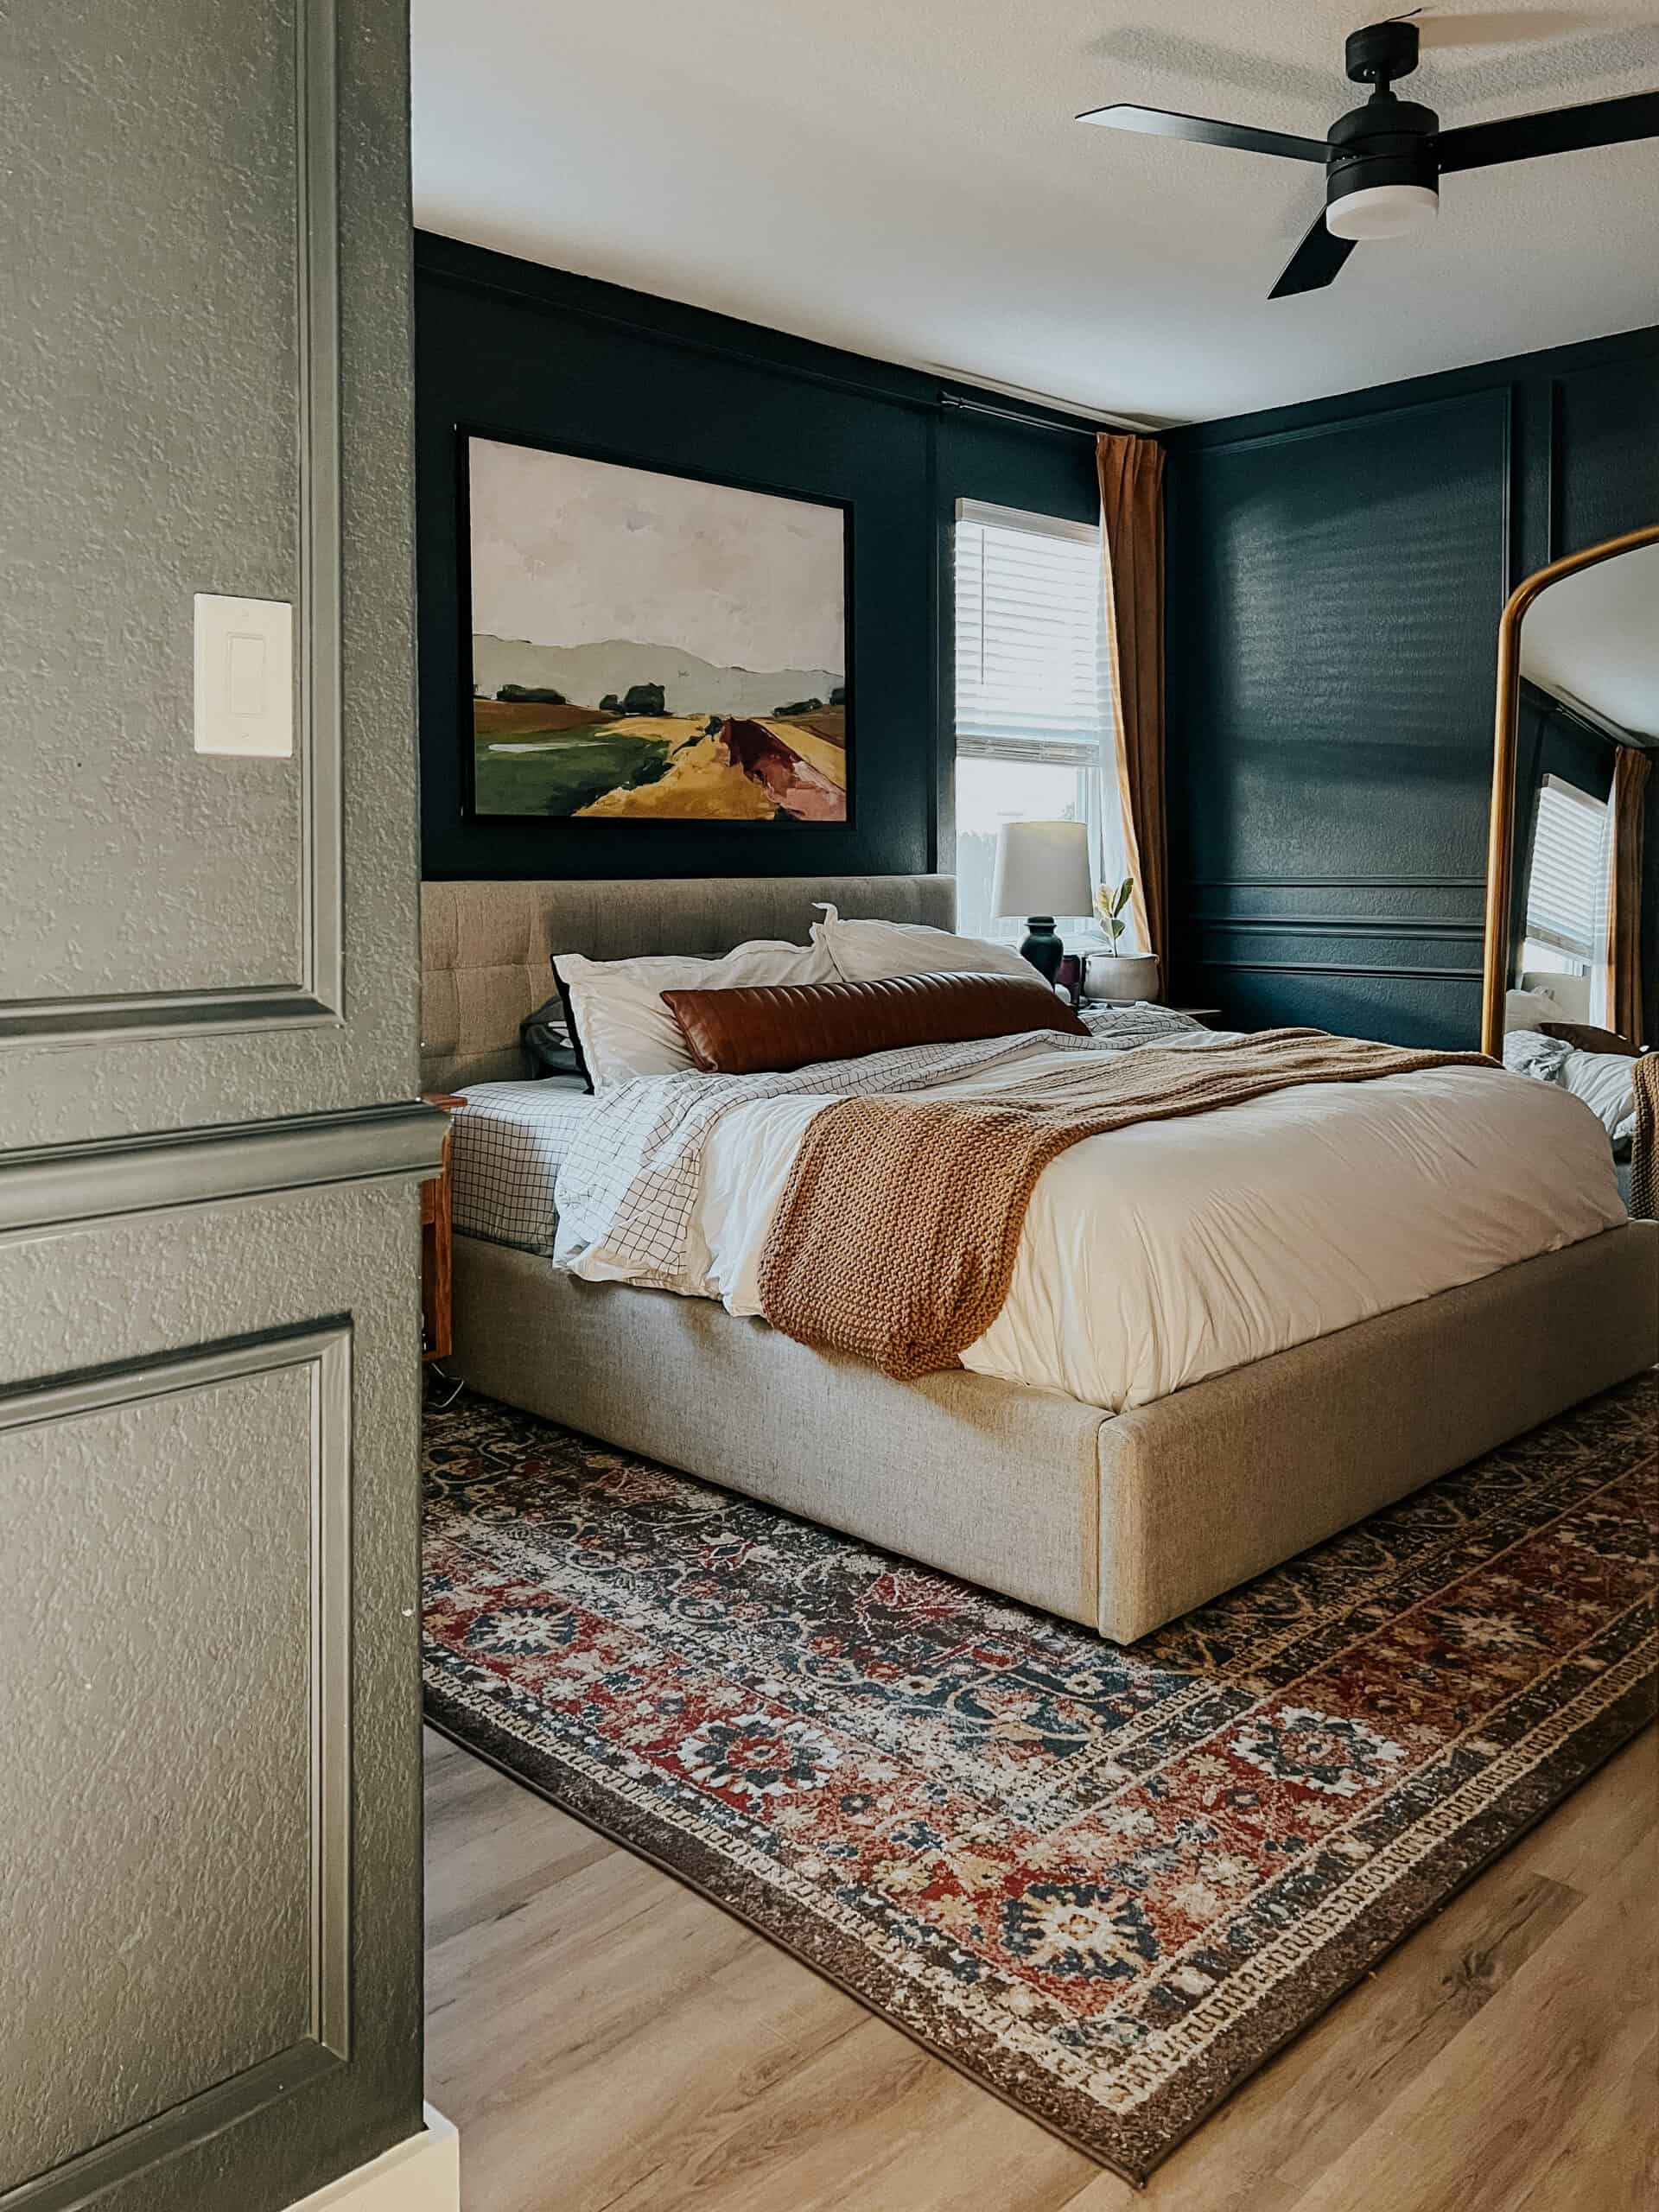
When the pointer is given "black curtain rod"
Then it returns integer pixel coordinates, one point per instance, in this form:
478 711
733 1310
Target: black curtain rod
1025 422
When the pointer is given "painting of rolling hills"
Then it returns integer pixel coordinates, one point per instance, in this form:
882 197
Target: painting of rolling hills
647 646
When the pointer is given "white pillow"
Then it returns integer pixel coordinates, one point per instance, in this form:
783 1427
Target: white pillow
870 952
624 1027
1527 1053
1531 1009
1604 1081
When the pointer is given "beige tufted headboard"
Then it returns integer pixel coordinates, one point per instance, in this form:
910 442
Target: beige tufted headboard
487 949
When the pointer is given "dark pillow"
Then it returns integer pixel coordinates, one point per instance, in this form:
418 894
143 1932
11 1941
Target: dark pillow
573 1035
545 1037
1584 1037
760 1029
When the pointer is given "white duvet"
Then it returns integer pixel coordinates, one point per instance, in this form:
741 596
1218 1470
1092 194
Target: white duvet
1154 1256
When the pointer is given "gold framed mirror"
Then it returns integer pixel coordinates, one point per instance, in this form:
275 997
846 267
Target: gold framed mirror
1610 624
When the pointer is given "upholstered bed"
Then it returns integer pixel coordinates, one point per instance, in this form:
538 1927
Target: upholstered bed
1118 1520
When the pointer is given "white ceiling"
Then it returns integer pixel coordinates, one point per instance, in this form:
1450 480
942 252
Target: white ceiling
1594 638
904 177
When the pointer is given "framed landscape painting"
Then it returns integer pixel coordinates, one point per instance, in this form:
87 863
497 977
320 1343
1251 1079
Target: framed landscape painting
649 647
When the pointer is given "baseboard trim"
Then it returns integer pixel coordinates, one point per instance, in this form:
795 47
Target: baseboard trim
420 2175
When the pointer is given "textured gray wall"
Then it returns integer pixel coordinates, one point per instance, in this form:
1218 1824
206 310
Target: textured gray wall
153 1904
152 400
131 331
210 1937
185 1563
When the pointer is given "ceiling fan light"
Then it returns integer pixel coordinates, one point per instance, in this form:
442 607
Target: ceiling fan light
1382 211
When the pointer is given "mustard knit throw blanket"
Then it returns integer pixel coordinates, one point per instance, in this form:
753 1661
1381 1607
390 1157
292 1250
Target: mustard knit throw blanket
896 1234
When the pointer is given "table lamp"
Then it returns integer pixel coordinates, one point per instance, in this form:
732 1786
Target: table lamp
1042 869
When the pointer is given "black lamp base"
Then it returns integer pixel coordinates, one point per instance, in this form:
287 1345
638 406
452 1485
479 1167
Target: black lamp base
1043 947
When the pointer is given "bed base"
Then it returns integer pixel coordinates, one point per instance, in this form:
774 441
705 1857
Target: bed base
1119 1521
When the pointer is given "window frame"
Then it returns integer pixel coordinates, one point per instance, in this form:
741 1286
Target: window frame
1534 930
1053 753
1088 757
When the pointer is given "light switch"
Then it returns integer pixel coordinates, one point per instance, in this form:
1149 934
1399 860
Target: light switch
244 676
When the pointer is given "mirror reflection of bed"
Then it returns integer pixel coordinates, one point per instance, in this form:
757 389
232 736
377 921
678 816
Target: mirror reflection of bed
1581 967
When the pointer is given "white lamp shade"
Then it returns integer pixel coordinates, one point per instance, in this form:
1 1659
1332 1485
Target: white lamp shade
1042 867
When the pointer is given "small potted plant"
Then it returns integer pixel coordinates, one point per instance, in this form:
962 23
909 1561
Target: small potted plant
1119 978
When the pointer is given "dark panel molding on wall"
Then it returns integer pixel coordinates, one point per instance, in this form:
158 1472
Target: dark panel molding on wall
1341 925
1337 572
1339 882
511 350
1348 968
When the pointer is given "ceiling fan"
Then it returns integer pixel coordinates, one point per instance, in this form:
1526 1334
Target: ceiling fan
1383 161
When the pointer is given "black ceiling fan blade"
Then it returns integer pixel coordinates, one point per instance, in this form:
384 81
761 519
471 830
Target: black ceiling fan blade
1554 130
1315 261
1161 123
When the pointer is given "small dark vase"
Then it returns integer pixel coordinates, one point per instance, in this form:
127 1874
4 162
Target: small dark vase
1042 946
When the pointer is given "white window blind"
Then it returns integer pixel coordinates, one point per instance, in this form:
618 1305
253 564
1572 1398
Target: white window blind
1032 668
1566 884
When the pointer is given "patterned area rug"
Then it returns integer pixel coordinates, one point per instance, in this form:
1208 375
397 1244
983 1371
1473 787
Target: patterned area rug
1106 1884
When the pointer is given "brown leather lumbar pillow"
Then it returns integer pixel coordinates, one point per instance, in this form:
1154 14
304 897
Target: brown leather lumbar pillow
762 1028
1584 1037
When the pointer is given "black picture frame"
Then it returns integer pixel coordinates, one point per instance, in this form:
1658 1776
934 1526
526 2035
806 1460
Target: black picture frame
649 829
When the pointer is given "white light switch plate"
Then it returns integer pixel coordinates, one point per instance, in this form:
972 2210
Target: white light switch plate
244 676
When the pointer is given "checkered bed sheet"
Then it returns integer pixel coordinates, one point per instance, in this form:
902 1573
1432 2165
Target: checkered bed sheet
635 1155
630 1179
505 1152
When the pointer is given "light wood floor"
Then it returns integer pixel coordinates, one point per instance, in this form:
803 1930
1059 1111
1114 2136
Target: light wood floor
606 2042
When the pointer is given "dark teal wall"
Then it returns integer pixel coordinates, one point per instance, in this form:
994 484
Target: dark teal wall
1336 575
512 349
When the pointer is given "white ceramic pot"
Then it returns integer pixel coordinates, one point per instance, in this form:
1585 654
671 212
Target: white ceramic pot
1119 978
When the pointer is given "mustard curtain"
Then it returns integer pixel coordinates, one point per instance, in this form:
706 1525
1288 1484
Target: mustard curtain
1624 894
1131 472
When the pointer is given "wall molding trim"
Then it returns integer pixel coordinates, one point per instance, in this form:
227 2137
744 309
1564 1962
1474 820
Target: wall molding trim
1345 968
53 1185
1244 434
164 1014
321 548
1337 882
323 1347
316 997
1435 926
1613 350
657 321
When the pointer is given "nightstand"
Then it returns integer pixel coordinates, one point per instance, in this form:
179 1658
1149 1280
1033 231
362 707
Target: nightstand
436 1339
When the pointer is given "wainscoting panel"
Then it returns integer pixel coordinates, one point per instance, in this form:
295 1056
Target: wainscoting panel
210 1707
232 839
1351 999
514 350
1608 457
509 350
176 389
209 1854
1319 730
1336 575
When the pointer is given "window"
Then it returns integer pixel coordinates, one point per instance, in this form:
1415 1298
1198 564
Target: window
1567 883
1033 703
